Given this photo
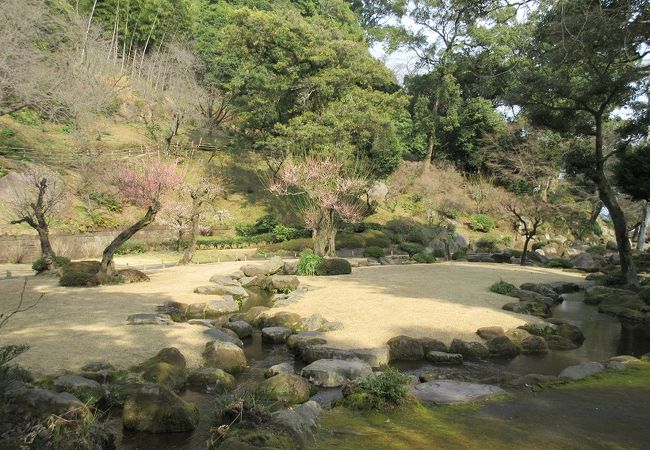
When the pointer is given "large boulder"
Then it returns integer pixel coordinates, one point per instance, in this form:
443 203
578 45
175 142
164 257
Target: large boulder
210 379
316 322
242 328
42 402
270 267
335 372
532 296
81 387
488 333
156 409
169 355
586 262
581 371
282 283
224 355
405 348
224 334
446 392
224 305
557 342
469 349
536 309
277 369
224 280
534 345
286 388
597 294
275 335
543 289
166 375
300 422
502 347
517 334
564 287
375 357
299 342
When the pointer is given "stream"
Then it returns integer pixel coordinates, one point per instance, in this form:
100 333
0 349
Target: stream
605 337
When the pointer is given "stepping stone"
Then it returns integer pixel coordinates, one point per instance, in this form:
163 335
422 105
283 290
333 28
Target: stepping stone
580 371
149 319
448 392
335 372
275 335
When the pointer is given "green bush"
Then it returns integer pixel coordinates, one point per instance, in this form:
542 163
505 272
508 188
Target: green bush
27 116
481 222
559 263
40 266
373 252
385 390
73 278
423 258
487 244
334 266
368 238
449 211
459 254
502 287
309 263
376 238
283 233
614 278
438 253
107 200
411 247
264 224
597 250
7 132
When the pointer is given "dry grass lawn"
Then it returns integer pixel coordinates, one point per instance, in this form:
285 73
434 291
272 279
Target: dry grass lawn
74 326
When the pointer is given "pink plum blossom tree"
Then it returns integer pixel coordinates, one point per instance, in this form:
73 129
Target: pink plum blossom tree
331 196
143 184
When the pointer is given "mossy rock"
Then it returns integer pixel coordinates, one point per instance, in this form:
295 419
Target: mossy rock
224 355
210 378
166 375
286 388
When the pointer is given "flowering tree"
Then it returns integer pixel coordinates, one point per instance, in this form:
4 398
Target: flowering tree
38 196
331 196
143 184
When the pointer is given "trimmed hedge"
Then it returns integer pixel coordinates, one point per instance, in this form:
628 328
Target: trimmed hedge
423 258
411 248
79 273
374 252
40 266
334 266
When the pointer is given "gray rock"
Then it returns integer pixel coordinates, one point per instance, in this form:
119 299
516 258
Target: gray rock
217 289
317 322
374 357
79 386
210 379
299 342
564 287
283 283
300 421
270 267
502 347
174 309
224 355
488 333
277 369
446 392
540 328
195 311
42 402
290 267
445 358
586 262
581 371
225 335
275 335
224 305
149 319
543 289
405 348
335 372
469 349
224 280
286 388
208 323
534 345
242 328
557 342
530 308
532 379
246 281
531 296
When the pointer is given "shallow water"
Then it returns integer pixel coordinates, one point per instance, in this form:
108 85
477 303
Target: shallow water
605 337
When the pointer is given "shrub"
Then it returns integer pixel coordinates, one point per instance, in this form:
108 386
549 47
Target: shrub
309 263
597 250
614 278
79 273
411 247
559 263
350 240
423 258
502 287
449 211
459 254
264 224
481 222
334 266
40 266
283 233
378 391
373 252
487 244
439 253
375 238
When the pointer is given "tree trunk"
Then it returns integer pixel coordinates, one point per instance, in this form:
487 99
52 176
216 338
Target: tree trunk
640 243
46 247
608 197
107 265
191 244
320 241
524 253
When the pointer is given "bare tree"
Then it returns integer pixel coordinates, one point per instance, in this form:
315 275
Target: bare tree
527 219
201 192
20 307
37 197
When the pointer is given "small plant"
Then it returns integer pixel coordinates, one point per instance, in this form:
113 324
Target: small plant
309 263
283 233
373 252
459 254
411 247
80 273
40 266
423 258
559 263
502 287
487 244
481 222
335 266
27 117
597 250
7 132
449 211
381 391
